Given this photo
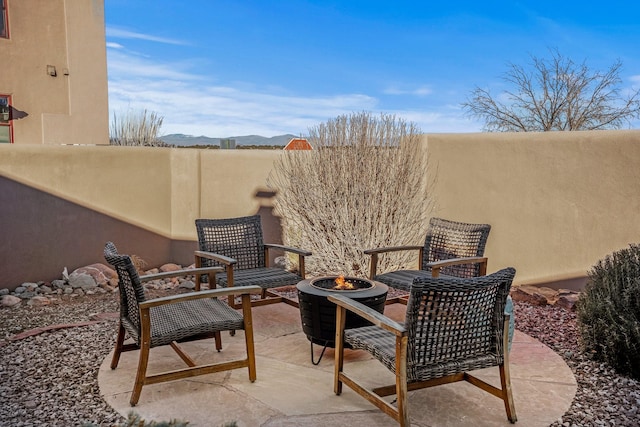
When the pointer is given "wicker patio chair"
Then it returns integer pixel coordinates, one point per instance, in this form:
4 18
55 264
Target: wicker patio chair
450 248
179 318
237 245
452 326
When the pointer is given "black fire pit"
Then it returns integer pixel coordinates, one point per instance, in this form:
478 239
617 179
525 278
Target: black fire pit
318 314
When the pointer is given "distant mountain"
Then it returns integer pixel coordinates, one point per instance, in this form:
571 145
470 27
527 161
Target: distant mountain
186 140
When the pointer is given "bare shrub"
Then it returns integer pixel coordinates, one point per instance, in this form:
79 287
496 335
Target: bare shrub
136 128
363 186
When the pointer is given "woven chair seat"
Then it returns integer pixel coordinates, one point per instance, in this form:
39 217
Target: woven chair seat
382 345
265 277
176 322
401 279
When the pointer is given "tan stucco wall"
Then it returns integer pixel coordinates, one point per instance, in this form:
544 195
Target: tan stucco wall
72 107
557 202
162 190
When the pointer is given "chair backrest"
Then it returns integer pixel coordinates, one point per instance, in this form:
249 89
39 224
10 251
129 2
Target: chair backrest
453 319
239 238
131 289
450 239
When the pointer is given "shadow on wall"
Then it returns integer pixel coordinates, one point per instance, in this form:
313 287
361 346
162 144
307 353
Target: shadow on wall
271 223
41 234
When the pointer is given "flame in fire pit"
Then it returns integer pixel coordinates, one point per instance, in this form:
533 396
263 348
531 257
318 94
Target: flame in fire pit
342 284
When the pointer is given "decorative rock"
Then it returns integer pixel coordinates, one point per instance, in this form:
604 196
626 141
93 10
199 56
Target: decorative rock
26 295
4 291
187 284
567 299
100 273
59 284
82 280
10 300
44 290
30 286
39 301
152 271
19 290
528 294
170 267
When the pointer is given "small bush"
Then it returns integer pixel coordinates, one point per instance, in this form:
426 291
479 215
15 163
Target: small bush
609 311
136 128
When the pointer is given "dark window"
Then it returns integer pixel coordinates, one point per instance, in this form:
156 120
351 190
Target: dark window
4 27
6 128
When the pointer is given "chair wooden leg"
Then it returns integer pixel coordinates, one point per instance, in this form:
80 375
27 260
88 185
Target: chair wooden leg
143 360
505 375
218 339
507 395
118 350
248 336
339 349
401 381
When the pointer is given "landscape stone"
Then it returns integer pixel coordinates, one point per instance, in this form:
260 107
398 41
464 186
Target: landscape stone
81 280
100 273
10 300
188 284
30 286
170 267
39 301
45 290
59 284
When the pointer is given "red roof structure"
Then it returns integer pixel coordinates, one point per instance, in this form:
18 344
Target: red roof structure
298 144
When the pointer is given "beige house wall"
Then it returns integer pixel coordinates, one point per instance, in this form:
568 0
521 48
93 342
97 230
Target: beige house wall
71 107
557 202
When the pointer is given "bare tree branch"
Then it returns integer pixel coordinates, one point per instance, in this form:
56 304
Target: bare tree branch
555 94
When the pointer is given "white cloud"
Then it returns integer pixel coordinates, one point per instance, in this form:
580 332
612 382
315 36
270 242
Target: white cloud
419 91
114 45
126 34
197 105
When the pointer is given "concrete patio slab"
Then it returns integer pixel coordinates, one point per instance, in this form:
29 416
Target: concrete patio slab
290 391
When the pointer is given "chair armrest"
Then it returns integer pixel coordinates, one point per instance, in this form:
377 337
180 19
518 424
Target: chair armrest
392 249
436 266
213 293
373 266
216 257
288 249
178 273
300 252
368 313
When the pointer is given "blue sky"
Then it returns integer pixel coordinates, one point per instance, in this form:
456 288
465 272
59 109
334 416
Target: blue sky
224 68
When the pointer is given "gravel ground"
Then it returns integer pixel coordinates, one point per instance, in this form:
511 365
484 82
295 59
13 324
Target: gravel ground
50 379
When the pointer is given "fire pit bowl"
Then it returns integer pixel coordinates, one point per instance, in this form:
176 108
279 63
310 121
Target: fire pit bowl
318 314
337 283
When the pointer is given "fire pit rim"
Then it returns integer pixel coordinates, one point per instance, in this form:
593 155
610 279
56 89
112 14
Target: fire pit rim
371 283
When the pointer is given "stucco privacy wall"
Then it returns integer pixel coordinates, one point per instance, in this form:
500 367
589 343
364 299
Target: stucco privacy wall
161 190
557 201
